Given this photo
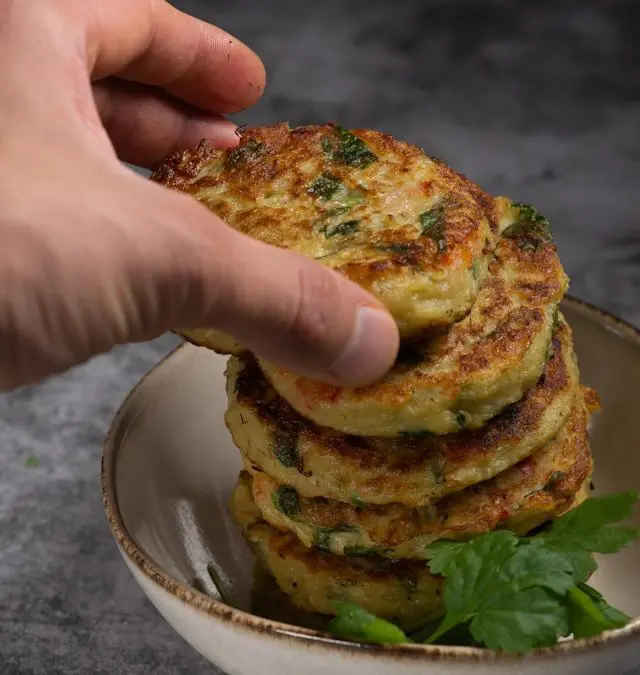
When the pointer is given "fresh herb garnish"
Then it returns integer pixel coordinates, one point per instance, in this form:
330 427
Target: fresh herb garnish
31 462
432 224
286 500
325 186
245 152
516 594
343 229
349 150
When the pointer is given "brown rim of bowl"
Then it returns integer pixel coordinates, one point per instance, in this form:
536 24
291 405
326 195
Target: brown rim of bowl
255 624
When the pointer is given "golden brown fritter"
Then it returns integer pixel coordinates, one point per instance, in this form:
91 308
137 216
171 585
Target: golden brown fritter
401 591
319 462
399 223
462 379
536 490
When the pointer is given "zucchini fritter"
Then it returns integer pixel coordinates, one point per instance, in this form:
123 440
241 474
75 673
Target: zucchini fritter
383 213
536 490
414 471
401 591
483 363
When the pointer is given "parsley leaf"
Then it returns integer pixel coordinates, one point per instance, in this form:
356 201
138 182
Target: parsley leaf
591 528
352 150
590 614
354 623
510 594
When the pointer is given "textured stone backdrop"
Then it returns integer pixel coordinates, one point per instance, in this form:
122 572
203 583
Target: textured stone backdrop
539 100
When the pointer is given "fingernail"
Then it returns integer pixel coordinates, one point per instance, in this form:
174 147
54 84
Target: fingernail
371 350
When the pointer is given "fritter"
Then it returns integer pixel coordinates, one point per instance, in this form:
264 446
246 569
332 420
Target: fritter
414 471
380 211
536 490
483 363
401 591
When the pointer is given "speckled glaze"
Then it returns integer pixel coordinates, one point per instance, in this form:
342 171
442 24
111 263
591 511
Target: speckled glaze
169 466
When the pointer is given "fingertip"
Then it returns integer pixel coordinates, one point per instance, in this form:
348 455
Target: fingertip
370 351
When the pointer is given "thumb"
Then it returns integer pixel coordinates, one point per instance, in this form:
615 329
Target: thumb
287 309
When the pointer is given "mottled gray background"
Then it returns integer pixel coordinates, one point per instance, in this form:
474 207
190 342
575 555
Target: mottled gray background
538 100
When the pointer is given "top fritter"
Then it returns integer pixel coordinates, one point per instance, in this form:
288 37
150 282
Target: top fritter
399 223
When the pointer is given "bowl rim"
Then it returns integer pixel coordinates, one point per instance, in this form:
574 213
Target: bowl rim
260 626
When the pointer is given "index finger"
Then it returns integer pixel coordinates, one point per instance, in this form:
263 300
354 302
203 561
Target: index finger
151 42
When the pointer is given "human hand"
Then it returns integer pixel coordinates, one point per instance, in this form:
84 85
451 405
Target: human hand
93 255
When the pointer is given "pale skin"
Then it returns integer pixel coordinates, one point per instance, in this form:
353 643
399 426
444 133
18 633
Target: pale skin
93 255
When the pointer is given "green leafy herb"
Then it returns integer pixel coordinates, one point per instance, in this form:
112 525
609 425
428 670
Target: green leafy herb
286 500
360 552
31 462
325 186
506 593
396 248
349 149
245 152
592 528
516 594
432 224
354 623
322 536
343 229
590 614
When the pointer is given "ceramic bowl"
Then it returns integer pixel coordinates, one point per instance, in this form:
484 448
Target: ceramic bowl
167 472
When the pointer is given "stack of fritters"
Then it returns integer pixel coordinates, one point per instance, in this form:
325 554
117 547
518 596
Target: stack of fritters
481 424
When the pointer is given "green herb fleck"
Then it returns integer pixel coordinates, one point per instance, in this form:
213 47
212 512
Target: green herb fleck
396 248
349 149
325 186
531 229
285 448
31 462
356 500
286 500
590 614
322 536
336 211
354 623
245 152
462 419
343 229
432 224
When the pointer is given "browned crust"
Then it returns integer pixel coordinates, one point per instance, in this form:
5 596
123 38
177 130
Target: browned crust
400 457
394 252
